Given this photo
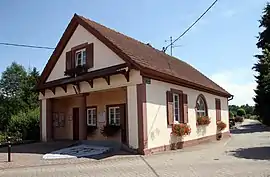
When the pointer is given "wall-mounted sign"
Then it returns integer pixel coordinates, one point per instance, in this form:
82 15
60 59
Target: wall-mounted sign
147 80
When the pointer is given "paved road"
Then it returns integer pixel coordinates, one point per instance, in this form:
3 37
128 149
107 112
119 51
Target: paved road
246 154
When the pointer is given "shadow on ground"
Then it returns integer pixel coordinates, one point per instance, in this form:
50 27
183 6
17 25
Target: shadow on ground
255 153
249 128
41 148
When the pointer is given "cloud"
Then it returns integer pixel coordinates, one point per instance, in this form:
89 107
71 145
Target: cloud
238 82
229 13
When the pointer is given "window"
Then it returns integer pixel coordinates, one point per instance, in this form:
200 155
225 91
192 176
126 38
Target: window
114 115
176 107
80 57
92 116
201 107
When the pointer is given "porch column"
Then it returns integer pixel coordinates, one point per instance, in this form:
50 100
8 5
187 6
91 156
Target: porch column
82 118
45 120
132 116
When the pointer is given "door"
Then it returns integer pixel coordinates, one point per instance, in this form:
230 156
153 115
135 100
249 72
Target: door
124 125
75 123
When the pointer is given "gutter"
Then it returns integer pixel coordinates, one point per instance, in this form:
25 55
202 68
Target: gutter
230 98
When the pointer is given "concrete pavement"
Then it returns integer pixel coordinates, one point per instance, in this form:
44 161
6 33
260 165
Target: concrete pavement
247 153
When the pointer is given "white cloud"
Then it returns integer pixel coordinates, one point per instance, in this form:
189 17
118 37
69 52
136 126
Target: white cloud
238 82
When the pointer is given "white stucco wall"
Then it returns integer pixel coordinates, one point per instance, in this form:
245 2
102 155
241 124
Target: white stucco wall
157 128
43 120
132 116
103 56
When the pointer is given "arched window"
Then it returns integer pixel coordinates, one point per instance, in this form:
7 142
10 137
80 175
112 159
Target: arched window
201 106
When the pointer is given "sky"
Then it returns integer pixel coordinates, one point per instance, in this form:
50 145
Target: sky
221 45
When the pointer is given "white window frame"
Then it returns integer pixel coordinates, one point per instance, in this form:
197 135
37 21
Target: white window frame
114 117
176 117
83 57
201 112
90 117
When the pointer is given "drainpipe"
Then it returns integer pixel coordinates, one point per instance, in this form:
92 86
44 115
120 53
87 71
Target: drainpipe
230 98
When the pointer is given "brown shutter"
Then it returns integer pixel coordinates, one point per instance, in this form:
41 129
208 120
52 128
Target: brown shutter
68 60
73 59
169 98
181 108
218 110
90 55
185 108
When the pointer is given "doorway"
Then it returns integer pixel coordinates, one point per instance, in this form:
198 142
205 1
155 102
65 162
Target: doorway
75 123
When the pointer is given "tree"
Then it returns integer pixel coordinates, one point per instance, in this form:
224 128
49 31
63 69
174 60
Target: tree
241 112
262 67
17 92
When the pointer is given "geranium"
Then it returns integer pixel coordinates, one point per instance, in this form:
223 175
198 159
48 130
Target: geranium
181 129
221 125
204 120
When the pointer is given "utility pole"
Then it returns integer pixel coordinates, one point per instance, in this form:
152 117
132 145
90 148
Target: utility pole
170 44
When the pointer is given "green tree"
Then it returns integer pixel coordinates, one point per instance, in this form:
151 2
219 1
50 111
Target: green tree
241 112
17 92
262 67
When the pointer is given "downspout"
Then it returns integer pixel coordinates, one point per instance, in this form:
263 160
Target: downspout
230 98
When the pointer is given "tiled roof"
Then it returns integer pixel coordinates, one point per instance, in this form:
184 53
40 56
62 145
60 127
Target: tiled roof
148 57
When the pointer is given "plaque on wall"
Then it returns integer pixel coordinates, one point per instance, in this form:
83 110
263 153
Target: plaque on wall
55 119
61 119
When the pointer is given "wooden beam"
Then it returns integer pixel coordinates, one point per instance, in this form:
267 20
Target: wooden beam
42 92
127 75
77 84
64 87
53 90
90 82
107 78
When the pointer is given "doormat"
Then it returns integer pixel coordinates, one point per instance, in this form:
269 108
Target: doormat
76 152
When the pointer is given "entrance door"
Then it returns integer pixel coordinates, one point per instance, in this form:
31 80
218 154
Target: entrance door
75 123
123 124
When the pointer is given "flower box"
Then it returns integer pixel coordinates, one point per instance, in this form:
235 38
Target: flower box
221 125
205 120
181 130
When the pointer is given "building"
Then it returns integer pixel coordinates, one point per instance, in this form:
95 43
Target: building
98 77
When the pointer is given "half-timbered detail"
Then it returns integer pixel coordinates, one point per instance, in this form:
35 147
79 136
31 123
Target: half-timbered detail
102 85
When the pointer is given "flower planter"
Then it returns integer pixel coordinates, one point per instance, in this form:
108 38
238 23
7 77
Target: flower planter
219 136
205 120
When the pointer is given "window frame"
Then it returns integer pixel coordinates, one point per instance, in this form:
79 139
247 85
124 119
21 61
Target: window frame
87 116
180 105
83 57
113 107
177 120
201 97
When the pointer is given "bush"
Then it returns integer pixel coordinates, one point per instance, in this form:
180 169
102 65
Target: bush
25 124
241 112
231 114
239 119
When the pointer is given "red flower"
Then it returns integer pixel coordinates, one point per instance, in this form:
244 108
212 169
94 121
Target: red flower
204 120
181 129
221 125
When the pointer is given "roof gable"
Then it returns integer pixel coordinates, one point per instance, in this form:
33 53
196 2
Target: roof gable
152 62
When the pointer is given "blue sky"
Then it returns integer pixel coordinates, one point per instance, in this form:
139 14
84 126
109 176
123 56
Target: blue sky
221 45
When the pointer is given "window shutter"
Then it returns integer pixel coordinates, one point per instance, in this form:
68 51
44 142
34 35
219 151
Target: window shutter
185 108
90 55
68 60
181 108
73 59
218 110
169 98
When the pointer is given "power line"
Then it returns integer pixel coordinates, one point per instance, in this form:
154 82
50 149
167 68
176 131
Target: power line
198 19
27 46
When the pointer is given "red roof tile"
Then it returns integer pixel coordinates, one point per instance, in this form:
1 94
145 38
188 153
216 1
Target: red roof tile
148 57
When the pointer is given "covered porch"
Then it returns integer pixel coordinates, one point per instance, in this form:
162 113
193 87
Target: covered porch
80 110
